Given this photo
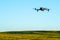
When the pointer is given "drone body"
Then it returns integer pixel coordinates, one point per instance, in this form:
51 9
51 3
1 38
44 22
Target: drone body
42 9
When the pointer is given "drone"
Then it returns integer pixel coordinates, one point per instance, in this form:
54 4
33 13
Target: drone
42 9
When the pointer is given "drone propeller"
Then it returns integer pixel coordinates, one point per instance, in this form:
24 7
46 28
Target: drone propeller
36 9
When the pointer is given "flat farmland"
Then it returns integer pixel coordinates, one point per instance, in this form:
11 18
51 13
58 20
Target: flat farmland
30 35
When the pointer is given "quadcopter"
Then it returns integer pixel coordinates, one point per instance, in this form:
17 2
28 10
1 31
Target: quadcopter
41 8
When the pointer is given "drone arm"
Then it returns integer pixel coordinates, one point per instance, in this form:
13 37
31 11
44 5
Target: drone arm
47 9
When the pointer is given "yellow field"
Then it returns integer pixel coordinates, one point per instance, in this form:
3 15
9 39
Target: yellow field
45 35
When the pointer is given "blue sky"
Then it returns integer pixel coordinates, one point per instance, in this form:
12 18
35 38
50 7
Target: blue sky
20 15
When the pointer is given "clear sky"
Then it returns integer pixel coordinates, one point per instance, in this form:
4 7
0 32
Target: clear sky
20 15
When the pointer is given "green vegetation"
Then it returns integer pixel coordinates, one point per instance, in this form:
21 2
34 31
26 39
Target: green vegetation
30 35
